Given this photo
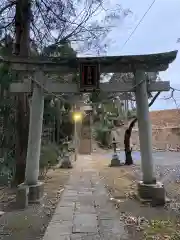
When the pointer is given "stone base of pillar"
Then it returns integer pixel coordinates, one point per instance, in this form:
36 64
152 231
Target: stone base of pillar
29 194
66 163
115 162
22 196
36 193
154 193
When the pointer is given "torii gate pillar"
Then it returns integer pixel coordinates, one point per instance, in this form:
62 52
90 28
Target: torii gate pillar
148 188
35 188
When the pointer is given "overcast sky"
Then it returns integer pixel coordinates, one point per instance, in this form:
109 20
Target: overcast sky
158 32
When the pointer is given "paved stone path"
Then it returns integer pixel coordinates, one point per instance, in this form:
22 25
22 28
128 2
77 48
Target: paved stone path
84 211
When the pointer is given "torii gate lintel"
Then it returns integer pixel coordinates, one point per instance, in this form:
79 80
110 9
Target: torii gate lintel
108 64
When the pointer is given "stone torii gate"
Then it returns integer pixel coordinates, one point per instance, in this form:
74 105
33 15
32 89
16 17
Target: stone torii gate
39 66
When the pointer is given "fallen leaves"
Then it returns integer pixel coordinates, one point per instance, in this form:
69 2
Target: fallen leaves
139 222
52 203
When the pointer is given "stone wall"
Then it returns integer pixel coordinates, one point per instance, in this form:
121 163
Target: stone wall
167 138
165 131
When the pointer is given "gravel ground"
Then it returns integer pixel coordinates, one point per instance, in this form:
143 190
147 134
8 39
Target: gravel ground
167 165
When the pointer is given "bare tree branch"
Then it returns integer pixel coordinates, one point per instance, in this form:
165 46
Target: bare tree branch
55 22
9 5
171 96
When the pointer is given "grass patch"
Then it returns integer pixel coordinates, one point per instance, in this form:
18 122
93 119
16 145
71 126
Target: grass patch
162 229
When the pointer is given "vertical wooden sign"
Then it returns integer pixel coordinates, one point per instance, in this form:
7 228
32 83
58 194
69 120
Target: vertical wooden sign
89 77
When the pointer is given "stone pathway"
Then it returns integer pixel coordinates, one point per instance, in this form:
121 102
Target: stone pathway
84 211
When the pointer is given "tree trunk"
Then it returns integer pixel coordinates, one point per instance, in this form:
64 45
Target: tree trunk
127 136
22 32
127 147
22 126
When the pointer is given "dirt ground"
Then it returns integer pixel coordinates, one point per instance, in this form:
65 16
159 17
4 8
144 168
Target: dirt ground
142 220
31 223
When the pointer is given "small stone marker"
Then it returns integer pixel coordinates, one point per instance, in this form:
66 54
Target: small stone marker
115 158
1 213
114 144
66 161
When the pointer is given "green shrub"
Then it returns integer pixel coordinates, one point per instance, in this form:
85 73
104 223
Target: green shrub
102 135
131 114
48 158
